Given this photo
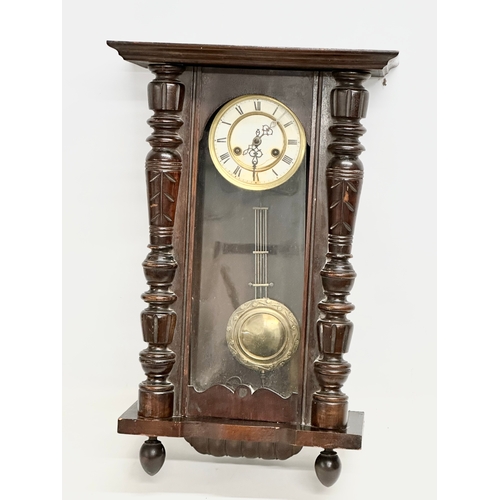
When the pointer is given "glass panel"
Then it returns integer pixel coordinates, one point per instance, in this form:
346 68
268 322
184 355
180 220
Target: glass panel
248 281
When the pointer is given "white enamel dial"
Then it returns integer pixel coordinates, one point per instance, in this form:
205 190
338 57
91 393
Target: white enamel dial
256 142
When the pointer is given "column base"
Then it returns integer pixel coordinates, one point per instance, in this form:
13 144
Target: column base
329 415
155 402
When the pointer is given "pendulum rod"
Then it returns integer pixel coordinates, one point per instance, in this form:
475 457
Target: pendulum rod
260 252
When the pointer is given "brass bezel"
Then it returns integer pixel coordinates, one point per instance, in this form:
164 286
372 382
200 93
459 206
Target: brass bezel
258 186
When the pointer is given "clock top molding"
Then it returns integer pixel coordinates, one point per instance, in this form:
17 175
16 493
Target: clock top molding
377 62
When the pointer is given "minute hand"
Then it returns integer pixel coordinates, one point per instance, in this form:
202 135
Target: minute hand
275 122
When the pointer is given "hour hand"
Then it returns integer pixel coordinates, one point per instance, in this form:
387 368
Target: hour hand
254 151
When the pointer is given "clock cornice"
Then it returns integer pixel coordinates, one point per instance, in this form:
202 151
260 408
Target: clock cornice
377 62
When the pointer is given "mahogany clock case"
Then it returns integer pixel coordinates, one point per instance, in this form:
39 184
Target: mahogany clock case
324 89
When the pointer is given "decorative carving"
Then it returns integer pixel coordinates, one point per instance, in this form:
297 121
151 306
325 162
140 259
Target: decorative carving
247 449
163 170
163 193
344 177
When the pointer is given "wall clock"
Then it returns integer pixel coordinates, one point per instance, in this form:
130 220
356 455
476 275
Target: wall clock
253 183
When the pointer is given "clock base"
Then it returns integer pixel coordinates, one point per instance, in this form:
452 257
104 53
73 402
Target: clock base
244 438
248 430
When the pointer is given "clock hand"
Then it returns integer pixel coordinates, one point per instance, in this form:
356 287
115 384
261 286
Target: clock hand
253 149
275 122
255 153
255 176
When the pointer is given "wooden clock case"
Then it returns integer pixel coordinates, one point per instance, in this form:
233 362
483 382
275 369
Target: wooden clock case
325 89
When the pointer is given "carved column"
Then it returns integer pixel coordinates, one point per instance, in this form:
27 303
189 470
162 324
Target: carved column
344 175
163 171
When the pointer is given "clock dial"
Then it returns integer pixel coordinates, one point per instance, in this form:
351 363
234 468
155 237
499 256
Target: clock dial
256 142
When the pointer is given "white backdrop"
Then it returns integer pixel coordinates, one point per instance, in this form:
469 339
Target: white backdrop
393 352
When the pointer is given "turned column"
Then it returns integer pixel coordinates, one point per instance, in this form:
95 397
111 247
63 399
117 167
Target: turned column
163 171
344 175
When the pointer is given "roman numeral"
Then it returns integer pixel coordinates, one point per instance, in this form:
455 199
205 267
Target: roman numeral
292 142
237 171
274 112
225 123
287 159
287 124
256 177
238 108
223 139
225 157
257 105
274 172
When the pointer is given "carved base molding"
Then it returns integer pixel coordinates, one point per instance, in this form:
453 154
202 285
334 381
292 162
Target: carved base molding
247 449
